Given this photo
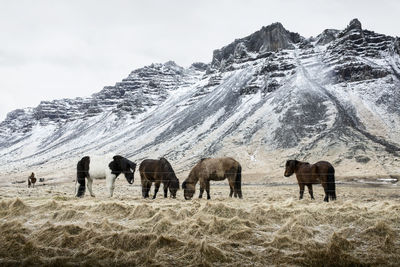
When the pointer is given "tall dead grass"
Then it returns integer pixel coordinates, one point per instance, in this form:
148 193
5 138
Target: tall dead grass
47 226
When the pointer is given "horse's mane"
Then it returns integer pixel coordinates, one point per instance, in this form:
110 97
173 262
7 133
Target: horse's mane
117 157
167 165
120 161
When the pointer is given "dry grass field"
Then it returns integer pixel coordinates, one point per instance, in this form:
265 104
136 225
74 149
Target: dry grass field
269 226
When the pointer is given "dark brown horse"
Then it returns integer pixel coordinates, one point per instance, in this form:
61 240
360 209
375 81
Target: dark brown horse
214 169
308 174
158 171
31 180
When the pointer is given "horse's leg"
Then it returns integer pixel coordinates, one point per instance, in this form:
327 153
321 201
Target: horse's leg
202 186
143 180
231 185
165 190
145 189
201 191
110 183
80 186
76 187
310 190
325 186
156 187
208 189
301 185
89 185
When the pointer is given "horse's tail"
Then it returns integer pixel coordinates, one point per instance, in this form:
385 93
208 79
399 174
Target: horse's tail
238 182
331 183
80 184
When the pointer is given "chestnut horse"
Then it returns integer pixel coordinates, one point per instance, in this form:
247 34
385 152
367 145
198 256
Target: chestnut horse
216 169
158 171
308 174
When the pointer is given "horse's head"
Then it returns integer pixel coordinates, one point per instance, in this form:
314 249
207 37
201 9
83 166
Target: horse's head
290 167
129 177
124 165
130 171
188 190
173 187
170 176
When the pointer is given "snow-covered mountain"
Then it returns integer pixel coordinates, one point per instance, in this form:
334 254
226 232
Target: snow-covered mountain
264 98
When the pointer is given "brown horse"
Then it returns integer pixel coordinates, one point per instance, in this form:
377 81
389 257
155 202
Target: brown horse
214 169
308 174
31 180
158 171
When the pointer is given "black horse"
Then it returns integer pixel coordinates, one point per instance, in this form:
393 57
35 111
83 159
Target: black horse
158 171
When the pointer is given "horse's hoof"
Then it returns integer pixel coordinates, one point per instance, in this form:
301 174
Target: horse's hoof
92 195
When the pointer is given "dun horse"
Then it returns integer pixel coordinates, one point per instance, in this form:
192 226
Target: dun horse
214 169
102 168
31 180
307 174
158 171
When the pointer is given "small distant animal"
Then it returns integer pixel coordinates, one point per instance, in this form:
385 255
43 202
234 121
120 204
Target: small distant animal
101 168
308 174
213 169
158 171
31 180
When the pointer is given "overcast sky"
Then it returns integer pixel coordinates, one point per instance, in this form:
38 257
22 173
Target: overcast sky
64 49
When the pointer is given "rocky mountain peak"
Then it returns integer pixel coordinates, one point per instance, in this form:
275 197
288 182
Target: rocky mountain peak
327 36
354 24
354 30
270 38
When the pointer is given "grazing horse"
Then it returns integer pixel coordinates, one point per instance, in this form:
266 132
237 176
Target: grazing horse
158 171
308 174
100 169
31 180
216 169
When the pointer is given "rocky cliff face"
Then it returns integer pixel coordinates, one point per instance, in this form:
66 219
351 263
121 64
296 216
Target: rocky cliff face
257 45
263 98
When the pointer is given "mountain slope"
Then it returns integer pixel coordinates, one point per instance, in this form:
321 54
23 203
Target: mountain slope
263 98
